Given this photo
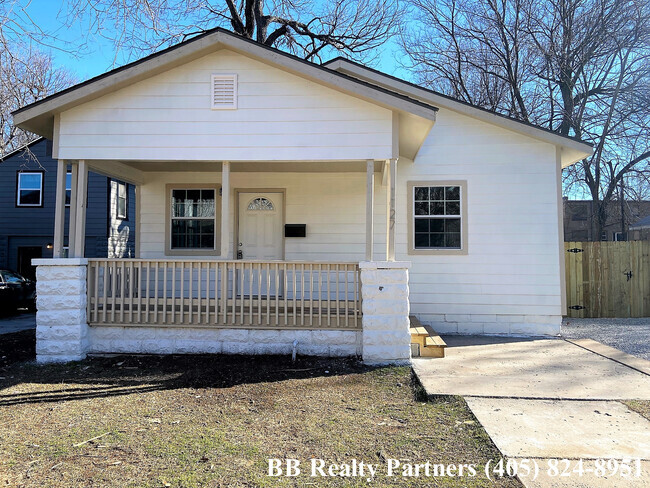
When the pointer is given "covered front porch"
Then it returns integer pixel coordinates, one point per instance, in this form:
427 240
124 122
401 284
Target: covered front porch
289 263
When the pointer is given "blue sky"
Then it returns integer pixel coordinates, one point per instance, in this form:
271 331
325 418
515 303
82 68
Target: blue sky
97 56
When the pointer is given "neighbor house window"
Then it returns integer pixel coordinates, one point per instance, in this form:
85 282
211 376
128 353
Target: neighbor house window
193 218
29 191
121 200
437 217
68 188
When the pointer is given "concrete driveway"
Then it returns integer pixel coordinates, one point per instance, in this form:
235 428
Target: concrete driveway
544 400
17 322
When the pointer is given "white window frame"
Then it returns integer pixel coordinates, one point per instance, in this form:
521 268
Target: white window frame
18 189
224 76
412 250
169 250
125 215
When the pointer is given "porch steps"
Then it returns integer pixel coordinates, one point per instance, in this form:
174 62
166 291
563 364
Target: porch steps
425 342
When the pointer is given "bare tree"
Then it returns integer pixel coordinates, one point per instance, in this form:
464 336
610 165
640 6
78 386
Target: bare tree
27 74
307 28
580 68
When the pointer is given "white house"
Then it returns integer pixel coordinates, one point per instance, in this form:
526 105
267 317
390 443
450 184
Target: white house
284 205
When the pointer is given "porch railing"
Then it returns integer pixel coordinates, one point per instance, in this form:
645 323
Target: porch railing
203 293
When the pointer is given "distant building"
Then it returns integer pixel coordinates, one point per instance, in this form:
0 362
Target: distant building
27 203
621 224
640 230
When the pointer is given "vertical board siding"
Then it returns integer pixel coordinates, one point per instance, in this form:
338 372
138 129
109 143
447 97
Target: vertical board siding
280 116
608 279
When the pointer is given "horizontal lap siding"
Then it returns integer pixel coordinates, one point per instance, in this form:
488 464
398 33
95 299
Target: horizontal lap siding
280 116
512 267
331 204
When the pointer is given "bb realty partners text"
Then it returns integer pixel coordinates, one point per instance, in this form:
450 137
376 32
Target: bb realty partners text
319 468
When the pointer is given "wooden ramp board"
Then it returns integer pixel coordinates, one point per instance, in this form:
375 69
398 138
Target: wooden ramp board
429 343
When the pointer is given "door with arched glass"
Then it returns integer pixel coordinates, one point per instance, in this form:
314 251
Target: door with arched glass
260 226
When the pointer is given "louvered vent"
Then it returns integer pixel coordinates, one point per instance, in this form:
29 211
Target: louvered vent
224 91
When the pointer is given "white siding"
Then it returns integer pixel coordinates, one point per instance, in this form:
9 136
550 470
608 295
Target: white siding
331 204
280 116
509 282
511 274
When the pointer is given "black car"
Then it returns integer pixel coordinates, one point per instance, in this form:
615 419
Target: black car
16 292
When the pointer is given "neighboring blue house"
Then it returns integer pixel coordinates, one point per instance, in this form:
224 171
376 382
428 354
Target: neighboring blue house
27 202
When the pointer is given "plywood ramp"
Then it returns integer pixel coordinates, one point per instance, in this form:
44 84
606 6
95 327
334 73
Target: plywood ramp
425 342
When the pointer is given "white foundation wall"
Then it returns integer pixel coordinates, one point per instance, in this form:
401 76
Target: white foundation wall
331 204
280 116
177 340
510 281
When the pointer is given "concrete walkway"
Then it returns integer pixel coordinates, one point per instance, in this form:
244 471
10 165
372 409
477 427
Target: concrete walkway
17 322
549 399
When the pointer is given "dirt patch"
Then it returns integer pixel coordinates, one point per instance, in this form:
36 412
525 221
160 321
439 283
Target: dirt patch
216 420
16 347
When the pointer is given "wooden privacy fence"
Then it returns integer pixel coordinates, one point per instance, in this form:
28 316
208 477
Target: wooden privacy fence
608 279
274 294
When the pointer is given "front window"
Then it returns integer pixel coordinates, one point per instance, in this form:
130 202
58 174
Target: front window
121 200
437 217
193 219
30 190
68 188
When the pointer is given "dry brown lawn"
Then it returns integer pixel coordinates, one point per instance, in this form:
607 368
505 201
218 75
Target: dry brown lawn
215 421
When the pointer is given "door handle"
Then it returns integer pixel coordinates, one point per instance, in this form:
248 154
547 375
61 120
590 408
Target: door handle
240 255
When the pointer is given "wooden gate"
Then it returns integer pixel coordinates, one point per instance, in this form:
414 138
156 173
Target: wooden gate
608 279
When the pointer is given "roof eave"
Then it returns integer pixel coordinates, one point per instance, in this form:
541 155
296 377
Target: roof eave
572 150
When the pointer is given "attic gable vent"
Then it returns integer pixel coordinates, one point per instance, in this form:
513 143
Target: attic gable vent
224 92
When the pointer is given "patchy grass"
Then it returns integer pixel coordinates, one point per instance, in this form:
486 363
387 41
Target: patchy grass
640 406
216 420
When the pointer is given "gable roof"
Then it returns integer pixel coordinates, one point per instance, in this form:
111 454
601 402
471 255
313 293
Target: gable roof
573 149
644 223
38 117
22 148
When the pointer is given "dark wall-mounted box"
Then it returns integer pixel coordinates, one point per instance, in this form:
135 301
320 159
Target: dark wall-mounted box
295 230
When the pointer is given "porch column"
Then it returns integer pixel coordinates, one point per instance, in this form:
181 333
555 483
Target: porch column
72 217
370 203
225 210
59 215
80 213
390 209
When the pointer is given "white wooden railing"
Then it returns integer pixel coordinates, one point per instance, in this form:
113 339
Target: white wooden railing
203 293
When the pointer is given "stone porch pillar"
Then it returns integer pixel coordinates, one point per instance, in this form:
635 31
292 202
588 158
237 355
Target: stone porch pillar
385 307
61 324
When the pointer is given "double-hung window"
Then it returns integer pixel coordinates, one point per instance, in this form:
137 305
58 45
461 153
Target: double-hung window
438 217
121 200
193 219
29 191
68 188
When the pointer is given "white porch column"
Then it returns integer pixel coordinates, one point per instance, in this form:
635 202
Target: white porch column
390 210
80 213
385 307
59 215
72 217
225 210
370 203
